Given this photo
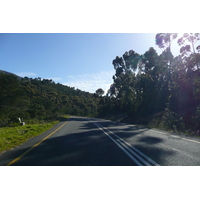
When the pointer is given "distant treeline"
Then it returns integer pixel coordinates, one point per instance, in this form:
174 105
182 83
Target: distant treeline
145 87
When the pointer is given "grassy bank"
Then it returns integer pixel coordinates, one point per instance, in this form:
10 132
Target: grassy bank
13 136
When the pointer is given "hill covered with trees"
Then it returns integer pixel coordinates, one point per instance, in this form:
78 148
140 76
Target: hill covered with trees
151 89
41 99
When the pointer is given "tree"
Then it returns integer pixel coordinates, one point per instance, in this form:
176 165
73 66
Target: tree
13 100
188 37
100 92
164 41
186 49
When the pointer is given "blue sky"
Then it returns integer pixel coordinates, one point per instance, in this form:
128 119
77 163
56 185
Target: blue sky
42 42
80 60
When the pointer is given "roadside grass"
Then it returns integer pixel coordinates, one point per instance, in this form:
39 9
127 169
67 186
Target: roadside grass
13 136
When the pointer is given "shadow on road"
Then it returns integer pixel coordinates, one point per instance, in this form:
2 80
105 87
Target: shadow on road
151 140
87 146
146 144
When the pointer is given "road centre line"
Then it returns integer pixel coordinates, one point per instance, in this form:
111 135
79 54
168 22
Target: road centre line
146 163
121 147
128 148
18 158
139 152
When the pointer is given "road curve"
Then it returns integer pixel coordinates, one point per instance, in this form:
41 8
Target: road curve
96 142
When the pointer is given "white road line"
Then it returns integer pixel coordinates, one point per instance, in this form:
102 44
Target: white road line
190 140
176 136
171 135
139 152
122 148
141 159
146 157
127 148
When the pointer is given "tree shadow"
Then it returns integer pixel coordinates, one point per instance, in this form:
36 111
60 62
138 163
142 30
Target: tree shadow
157 154
87 146
150 140
131 131
128 131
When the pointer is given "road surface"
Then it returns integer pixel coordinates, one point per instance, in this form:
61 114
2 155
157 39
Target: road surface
96 142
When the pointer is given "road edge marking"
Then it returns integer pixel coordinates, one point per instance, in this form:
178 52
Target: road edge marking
35 145
190 140
175 136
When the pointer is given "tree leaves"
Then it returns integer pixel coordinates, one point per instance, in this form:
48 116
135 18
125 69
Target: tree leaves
180 41
198 48
163 40
117 62
118 71
185 49
100 92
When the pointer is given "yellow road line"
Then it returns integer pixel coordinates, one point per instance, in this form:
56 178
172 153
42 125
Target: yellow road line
18 158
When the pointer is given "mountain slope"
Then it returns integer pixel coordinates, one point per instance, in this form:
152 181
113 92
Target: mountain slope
9 73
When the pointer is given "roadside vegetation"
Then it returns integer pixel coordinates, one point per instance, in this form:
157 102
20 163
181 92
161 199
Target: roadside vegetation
13 136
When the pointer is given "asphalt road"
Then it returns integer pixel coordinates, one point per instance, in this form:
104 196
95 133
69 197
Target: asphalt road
97 142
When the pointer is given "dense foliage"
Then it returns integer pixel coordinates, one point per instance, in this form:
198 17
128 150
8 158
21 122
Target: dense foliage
145 87
165 85
41 99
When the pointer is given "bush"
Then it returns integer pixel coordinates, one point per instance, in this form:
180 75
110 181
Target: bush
173 121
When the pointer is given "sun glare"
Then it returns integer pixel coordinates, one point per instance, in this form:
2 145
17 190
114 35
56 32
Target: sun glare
180 35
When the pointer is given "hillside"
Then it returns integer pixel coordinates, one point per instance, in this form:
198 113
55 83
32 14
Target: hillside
9 73
39 99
